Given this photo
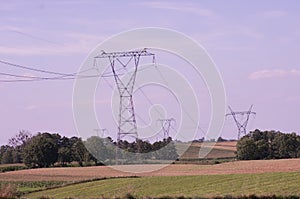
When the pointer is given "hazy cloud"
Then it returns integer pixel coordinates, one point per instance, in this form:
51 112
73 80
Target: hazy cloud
263 74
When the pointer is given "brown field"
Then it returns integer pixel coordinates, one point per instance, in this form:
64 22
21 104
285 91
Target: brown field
8 165
226 145
219 150
73 174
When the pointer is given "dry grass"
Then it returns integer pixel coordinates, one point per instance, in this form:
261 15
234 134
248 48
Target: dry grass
88 173
8 191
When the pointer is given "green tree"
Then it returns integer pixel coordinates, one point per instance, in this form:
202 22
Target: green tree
64 151
41 150
20 139
64 155
18 143
268 144
79 152
262 149
247 149
286 145
6 153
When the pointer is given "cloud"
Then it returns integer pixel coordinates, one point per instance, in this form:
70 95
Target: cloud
275 73
191 8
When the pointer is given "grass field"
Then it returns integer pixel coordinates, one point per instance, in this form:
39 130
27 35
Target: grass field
286 183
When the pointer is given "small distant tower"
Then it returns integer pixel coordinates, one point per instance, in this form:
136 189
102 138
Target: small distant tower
241 125
103 132
165 125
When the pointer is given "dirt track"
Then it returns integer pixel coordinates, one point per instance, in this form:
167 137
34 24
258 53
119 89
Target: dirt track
86 173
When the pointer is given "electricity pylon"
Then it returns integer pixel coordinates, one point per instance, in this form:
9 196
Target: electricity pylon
241 125
121 60
165 126
103 132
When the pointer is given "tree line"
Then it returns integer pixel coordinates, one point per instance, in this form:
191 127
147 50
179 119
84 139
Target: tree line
49 149
258 145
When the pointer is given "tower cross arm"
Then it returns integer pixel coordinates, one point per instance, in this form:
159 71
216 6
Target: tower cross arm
241 113
143 52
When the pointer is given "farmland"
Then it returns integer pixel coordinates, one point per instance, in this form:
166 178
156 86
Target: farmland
188 186
76 174
238 175
230 178
219 150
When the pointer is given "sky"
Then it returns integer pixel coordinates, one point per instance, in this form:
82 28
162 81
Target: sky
255 45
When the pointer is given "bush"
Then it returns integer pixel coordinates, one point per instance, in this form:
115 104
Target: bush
11 168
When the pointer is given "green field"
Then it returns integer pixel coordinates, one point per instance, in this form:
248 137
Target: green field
286 183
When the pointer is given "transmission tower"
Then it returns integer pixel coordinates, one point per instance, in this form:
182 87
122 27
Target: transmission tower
241 125
103 132
122 60
165 126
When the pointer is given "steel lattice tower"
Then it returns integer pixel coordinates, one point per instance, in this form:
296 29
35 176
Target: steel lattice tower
103 132
241 126
127 120
165 125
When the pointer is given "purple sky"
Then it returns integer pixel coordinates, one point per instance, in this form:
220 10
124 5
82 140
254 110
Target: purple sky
255 45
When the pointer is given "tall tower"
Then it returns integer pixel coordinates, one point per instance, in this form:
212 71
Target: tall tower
123 60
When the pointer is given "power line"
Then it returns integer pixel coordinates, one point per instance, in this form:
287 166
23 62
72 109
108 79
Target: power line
61 76
35 78
186 112
35 69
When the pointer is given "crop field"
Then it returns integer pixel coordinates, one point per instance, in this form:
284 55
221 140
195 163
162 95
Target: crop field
219 150
235 178
279 183
75 174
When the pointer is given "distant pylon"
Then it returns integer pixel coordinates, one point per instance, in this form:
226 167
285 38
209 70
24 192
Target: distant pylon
165 126
241 126
127 120
103 132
